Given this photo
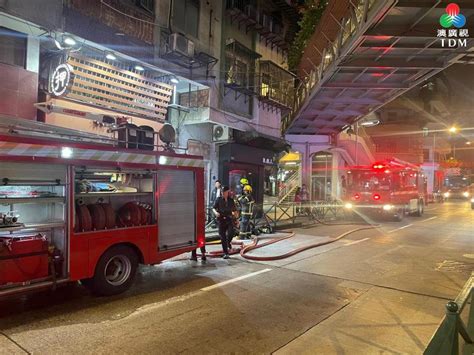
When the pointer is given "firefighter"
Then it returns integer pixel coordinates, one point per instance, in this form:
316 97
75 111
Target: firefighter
240 189
246 203
225 210
194 254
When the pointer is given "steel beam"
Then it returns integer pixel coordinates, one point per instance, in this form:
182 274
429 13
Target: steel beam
393 63
336 112
463 4
425 31
347 100
359 85
414 46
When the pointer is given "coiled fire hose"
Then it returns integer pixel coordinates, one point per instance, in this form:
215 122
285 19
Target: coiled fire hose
244 249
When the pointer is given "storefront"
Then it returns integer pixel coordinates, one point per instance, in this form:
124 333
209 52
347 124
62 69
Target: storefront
257 165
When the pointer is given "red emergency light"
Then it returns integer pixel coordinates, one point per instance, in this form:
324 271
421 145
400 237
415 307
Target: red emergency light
376 197
357 196
378 166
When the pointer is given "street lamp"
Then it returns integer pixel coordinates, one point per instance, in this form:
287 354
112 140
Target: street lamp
453 129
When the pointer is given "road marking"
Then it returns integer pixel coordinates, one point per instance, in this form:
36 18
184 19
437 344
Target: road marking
356 241
394 230
243 277
429 219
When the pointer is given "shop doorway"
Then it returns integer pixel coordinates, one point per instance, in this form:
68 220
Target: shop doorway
233 172
321 180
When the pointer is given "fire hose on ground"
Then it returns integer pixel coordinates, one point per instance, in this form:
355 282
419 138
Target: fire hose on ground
244 249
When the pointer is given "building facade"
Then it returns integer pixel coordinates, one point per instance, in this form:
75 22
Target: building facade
216 70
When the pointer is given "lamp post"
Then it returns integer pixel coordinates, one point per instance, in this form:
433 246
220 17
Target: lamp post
453 130
356 142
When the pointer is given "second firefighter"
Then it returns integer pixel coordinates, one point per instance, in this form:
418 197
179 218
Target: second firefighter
246 203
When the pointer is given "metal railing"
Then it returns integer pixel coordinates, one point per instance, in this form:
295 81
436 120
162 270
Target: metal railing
279 214
349 29
446 338
290 186
311 211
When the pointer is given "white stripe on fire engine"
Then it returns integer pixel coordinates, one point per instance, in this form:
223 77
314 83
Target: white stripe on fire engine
183 162
23 149
46 151
17 149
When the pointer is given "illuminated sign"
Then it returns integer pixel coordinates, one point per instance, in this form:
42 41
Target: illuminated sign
61 80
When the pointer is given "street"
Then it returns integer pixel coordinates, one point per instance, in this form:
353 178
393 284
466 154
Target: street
376 291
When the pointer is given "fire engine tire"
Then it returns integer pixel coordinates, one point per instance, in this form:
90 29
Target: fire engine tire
400 215
115 271
85 221
110 216
97 215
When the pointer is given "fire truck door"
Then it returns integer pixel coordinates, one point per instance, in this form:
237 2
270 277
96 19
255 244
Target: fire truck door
176 209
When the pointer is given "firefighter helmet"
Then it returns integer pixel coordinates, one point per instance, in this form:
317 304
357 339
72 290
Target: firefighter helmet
248 188
244 181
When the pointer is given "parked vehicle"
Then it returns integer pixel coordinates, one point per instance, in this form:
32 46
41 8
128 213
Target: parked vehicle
75 211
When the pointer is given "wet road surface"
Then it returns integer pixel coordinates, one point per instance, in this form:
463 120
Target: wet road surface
380 290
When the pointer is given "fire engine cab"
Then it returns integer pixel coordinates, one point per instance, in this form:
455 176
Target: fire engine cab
77 210
391 188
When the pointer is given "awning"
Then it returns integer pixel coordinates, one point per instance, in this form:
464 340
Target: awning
262 141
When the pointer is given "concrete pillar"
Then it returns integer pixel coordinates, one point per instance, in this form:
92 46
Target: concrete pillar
306 167
337 162
32 54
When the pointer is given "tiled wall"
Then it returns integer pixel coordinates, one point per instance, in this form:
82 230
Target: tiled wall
18 92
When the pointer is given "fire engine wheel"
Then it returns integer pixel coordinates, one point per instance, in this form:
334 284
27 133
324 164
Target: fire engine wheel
400 215
115 271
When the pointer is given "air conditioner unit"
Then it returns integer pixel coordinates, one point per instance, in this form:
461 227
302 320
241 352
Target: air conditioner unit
220 133
180 44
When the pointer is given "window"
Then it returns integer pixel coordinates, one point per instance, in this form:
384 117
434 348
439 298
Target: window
236 71
148 5
239 65
12 47
186 16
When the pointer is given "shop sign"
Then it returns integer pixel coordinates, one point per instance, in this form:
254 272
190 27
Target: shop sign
61 80
267 161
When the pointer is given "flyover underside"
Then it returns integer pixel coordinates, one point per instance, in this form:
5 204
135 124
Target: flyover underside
395 48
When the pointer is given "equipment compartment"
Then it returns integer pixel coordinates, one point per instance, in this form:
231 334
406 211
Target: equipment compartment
32 221
23 259
106 199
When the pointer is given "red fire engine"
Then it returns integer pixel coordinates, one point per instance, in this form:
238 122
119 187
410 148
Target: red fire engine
392 188
72 210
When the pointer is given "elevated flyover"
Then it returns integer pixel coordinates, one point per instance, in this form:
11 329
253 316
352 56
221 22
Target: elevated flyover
365 53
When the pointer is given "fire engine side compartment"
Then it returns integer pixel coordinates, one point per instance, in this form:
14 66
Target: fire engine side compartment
88 247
